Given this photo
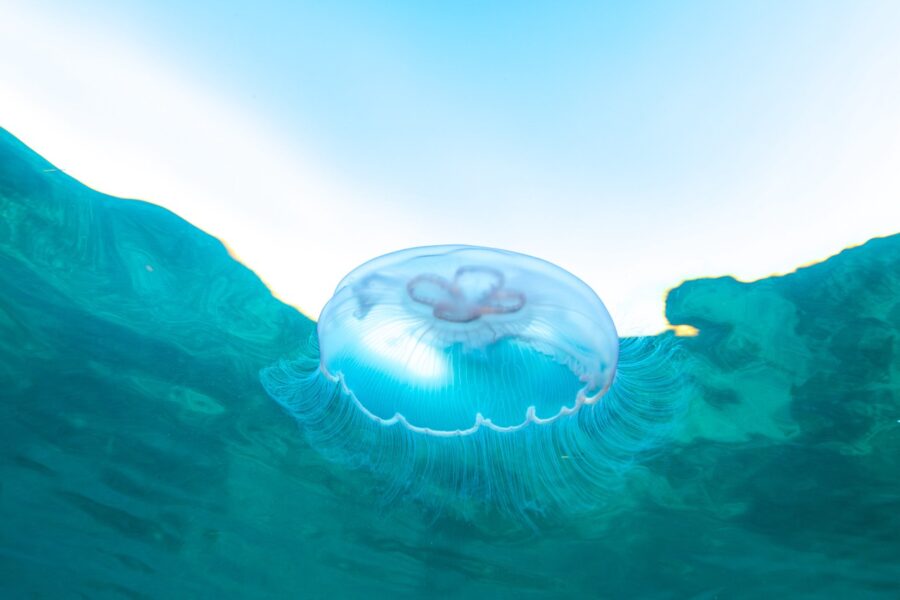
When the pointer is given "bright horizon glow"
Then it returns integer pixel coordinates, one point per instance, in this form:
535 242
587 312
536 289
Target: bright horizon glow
635 148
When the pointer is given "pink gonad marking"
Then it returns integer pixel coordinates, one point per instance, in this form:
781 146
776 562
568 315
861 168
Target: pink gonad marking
473 293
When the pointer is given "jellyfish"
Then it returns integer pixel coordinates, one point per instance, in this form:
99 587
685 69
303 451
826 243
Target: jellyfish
480 378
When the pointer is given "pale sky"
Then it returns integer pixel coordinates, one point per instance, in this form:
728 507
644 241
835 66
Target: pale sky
634 144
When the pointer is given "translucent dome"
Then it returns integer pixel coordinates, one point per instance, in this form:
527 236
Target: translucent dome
446 340
471 379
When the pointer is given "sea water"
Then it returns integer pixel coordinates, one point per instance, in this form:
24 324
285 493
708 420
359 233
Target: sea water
141 458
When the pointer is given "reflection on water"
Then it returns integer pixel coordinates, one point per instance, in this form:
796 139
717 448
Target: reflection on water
141 458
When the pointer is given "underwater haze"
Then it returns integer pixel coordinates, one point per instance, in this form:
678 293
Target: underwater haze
141 457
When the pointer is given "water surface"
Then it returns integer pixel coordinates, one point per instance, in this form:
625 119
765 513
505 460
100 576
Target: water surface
140 458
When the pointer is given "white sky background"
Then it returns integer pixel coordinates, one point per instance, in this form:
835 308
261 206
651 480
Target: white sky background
747 162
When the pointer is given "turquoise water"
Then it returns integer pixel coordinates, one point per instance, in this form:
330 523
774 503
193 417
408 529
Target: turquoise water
140 457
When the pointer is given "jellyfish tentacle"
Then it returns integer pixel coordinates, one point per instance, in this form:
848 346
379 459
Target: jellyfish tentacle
430 372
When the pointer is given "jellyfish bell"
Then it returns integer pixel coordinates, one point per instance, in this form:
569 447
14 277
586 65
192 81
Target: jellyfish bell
461 371
446 340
